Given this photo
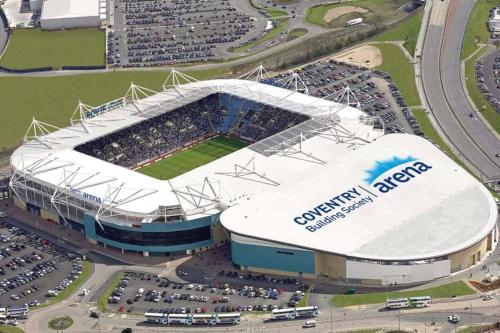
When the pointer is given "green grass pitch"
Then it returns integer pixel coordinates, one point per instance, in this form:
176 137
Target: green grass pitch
193 157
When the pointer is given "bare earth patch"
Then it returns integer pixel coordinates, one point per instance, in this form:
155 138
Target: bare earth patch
366 55
337 12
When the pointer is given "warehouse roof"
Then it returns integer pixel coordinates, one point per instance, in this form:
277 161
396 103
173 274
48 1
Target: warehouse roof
55 9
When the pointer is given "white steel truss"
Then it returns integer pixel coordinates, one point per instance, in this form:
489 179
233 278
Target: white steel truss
347 97
248 172
287 148
176 81
74 181
138 97
80 117
117 196
201 197
257 74
333 130
38 133
293 82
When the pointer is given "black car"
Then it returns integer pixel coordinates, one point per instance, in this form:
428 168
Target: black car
127 330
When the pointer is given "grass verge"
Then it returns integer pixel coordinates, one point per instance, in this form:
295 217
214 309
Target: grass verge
102 302
296 33
482 104
30 48
397 65
406 31
71 289
53 99
477 30
10 329
458 288
305 300
472 329
376 10
273 33
193 157
61 323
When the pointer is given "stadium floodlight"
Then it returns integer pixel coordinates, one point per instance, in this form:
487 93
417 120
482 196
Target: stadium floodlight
176 80
257 74
293 82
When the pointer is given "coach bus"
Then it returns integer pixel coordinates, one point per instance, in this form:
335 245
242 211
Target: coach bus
204 319
229 318
306 311
19 312
420 302
283 314
155 317
179 319
397 303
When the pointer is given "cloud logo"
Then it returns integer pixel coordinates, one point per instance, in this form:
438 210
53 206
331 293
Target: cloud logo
385 165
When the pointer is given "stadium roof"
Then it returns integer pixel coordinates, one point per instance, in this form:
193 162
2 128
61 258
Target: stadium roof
55 9
431 209
335 130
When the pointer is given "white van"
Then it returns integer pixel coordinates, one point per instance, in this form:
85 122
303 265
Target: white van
309 323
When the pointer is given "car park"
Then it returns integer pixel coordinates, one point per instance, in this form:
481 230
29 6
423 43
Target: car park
252 293
31 268
329 80
156 33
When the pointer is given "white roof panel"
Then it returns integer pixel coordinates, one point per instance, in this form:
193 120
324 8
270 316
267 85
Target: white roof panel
339 209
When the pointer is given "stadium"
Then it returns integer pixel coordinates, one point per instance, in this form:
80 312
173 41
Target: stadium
297 185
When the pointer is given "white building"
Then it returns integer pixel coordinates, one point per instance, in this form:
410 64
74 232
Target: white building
68 14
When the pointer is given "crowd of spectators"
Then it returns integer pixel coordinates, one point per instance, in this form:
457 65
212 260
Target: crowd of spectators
163 32
214 114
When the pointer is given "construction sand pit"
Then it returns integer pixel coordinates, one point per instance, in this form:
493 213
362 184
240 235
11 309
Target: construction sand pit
367 55
337 12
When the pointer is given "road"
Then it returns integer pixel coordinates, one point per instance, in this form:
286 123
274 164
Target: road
4 33
442 84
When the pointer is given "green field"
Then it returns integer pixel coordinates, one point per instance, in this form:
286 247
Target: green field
30 48
376 10
458 288
273 33
193 157
477 30
10 329
482 104
53 99
395 63
406 31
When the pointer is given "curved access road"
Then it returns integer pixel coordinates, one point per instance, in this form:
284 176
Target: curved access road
441 77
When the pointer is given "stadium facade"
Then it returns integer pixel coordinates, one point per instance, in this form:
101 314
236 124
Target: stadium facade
320 190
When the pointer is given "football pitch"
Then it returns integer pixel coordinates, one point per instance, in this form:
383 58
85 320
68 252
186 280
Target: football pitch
192 158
